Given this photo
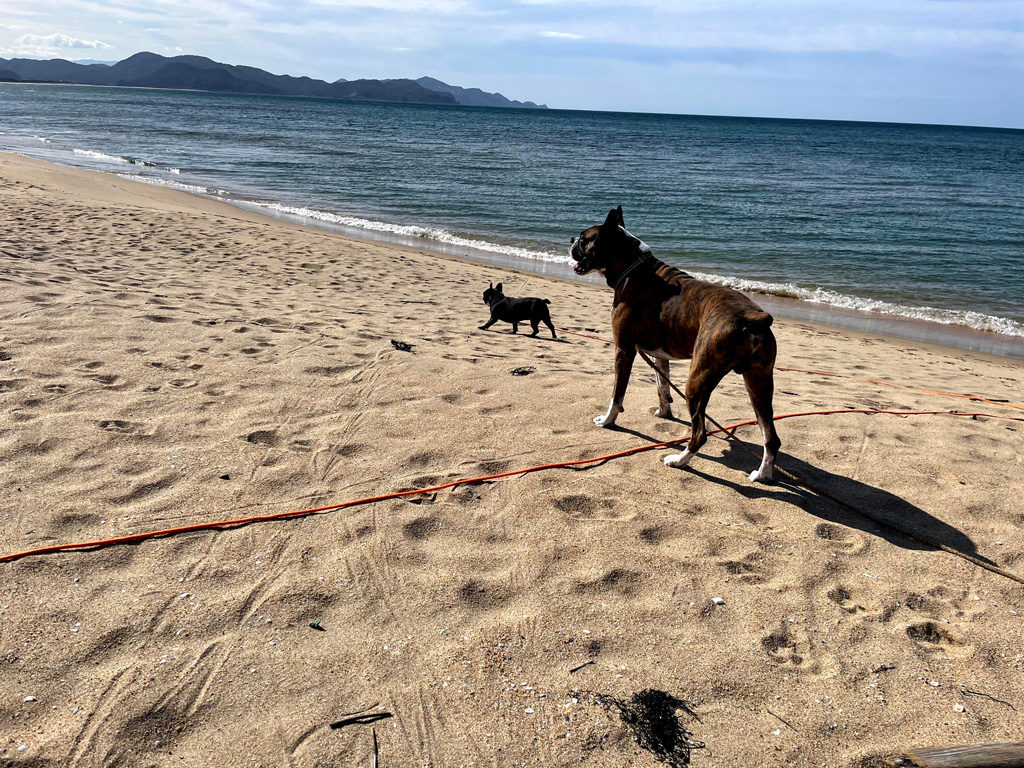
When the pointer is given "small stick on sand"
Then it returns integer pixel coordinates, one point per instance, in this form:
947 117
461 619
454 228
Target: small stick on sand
581 666
784 721
969 692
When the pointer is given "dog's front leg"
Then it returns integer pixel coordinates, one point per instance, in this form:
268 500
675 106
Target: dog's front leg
661 372
489 323
623 366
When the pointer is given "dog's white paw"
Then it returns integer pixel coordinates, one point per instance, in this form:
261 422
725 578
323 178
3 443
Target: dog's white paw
663 414
608 418
678 459
762 476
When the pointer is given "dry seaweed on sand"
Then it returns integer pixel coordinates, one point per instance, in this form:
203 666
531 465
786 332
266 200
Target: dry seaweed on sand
652 716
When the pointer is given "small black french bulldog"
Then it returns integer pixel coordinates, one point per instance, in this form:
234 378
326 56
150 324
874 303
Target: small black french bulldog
516 311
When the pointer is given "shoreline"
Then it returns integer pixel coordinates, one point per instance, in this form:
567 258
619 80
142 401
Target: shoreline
907 329
903 328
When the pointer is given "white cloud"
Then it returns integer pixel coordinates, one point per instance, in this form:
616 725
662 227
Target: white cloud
561 35
54 44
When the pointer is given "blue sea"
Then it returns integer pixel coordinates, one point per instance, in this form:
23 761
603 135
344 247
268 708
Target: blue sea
913 221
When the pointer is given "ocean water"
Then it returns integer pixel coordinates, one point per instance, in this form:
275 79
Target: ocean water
913 221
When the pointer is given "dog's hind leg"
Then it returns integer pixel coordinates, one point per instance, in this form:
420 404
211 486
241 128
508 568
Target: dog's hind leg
535 324
701 384
623 367
546 319
661 365
760 387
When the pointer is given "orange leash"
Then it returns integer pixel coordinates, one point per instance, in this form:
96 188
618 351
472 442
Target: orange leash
219 524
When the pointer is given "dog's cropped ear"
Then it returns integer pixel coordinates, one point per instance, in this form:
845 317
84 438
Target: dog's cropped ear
498 288
615 218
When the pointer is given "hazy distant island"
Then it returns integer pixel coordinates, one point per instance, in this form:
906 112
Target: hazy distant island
150 70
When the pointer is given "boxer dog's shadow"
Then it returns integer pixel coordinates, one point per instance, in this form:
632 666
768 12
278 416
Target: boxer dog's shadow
884 504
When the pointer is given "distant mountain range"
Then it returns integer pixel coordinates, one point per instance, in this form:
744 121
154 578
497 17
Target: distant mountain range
150 70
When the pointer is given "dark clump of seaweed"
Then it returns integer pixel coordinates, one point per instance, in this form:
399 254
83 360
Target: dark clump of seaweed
653 717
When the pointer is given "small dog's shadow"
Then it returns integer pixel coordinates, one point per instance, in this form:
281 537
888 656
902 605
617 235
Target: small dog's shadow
527 336
881 503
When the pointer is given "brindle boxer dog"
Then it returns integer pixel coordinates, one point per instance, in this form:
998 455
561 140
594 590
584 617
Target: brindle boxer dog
669 314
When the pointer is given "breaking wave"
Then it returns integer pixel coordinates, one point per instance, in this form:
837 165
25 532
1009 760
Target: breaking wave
411 231
977 320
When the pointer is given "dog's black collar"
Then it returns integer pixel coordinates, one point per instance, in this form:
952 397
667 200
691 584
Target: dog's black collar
646 257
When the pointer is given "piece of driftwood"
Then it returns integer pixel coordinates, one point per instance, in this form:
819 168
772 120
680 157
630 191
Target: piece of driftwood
982 756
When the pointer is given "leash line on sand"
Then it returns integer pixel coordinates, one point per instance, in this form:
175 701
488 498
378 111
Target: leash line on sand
730 434
222 524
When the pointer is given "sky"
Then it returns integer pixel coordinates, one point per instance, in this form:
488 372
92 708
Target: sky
928 61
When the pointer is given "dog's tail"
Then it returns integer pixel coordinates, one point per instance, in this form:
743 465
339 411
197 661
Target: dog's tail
546 301
759 350
756 320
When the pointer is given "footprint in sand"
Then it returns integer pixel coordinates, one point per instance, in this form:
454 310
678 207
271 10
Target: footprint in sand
422 459
619 581
843 597
144 490
120 426
750 569
263 437
841 538
106 379
419 529
788 646
655 534
481 596
575 505
933 638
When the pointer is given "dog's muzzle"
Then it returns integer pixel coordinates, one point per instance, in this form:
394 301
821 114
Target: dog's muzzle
580 267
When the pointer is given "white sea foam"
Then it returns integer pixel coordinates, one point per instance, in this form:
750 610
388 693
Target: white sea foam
193 188
433 234
42 139
100 155
966 318
175 171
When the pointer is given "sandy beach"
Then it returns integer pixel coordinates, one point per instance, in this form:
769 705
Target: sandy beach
166 359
